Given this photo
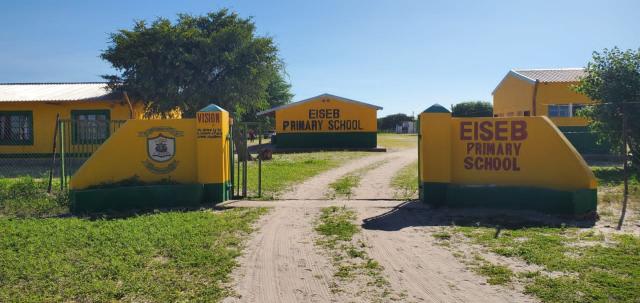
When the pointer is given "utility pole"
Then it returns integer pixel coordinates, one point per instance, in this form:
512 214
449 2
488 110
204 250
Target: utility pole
625 167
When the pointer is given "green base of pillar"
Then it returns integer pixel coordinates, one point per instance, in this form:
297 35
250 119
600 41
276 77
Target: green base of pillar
327 140
216 192
128 198
510 197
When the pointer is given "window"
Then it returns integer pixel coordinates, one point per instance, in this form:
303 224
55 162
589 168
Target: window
560 110
90 126
527 113
564 110
16 128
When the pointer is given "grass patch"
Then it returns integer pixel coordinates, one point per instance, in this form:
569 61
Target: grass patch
496 274
343 187
165 257
28 197
285 170
610 189
397 141
337 230
337 222
405 182
594 268
443 235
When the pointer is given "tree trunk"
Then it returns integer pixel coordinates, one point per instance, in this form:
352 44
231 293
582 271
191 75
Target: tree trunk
240 142
625 167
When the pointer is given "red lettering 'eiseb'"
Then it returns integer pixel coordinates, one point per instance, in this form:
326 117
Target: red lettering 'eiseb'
501 130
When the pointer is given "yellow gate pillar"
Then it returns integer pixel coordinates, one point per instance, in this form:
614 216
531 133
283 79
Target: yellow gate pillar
212 152
435 154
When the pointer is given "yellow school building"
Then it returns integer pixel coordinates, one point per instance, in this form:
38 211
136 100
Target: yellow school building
325 121
28 114
547 92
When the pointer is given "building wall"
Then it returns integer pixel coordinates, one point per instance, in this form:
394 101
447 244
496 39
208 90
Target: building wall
514 95
44 117
344 125
560 93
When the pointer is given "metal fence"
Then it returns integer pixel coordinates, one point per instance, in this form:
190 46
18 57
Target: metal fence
57 151
78 140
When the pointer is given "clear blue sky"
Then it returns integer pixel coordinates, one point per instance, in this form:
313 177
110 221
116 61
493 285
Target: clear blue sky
402 55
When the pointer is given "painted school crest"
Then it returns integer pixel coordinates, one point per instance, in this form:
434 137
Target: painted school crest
161 149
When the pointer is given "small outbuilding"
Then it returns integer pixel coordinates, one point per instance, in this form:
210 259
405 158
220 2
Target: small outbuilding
325 121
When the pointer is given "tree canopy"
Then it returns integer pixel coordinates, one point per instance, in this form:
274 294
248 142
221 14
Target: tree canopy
197 60
612 79
472 109
389 122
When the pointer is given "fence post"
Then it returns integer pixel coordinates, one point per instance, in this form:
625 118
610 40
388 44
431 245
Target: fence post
245 151
259 161
259 176
238 148
231 159
62 157
53 156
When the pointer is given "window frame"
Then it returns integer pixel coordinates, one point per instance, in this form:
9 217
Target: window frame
75 140
27 113
557 106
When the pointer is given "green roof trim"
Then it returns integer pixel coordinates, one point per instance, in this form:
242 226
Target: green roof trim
436 108
212 108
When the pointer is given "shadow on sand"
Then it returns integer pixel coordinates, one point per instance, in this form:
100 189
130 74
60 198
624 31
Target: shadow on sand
415 213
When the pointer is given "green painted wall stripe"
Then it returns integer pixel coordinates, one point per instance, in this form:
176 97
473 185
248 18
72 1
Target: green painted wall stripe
510 197
147 197
327 140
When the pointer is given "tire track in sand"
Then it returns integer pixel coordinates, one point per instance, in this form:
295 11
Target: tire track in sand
413 263
282 264
316 187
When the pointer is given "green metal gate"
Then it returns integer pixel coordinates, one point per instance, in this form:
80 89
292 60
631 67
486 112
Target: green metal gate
77 140
241 153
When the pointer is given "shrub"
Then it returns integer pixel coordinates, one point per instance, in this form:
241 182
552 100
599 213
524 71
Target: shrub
27 197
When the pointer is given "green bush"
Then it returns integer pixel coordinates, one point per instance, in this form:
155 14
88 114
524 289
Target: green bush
28 197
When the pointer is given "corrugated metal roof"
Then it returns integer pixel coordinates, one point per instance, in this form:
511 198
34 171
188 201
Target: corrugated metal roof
55 92
546 75
553 74
316 97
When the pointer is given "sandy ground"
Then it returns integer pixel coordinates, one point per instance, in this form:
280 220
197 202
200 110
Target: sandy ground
316 187
282 264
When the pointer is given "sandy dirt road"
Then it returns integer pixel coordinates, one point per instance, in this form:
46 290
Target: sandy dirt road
282 264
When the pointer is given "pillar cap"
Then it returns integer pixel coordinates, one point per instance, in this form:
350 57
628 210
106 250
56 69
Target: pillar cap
436 108
212 108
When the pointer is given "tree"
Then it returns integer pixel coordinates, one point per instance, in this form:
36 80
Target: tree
197 60
389 122
472 109
612 80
